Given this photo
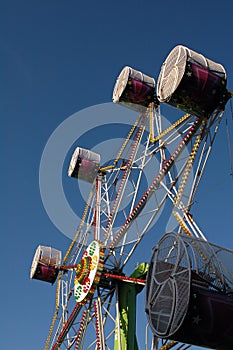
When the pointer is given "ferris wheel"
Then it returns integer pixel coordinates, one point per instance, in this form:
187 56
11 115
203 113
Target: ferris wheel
95 300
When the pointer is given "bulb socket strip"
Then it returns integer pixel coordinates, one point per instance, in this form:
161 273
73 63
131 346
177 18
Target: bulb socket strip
155 183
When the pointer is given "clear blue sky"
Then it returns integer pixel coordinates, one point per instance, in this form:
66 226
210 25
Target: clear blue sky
56 58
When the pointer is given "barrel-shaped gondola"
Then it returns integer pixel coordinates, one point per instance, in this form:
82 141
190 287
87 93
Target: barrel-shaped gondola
190 292
84 164
192 82
45 264
134 89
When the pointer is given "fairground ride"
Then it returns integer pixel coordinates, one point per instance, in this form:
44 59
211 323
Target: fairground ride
95 301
